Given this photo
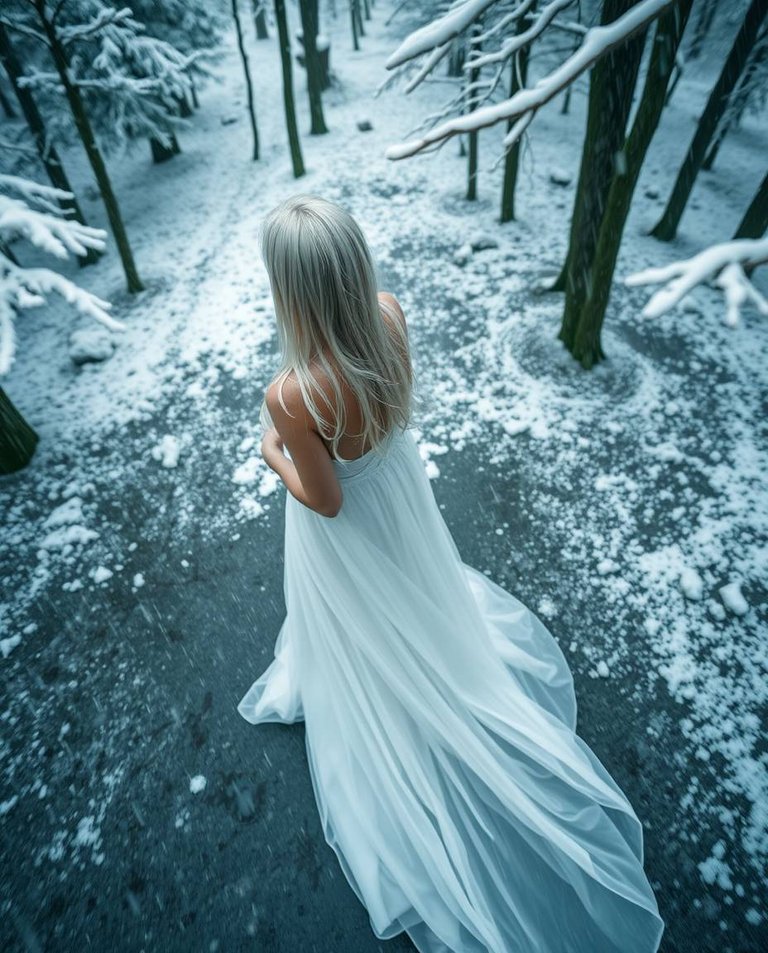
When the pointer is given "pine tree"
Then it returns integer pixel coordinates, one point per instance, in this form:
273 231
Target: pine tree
59 40
119 84
46 150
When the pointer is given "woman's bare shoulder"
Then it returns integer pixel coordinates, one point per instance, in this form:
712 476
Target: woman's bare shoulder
284 393
394 304
392 301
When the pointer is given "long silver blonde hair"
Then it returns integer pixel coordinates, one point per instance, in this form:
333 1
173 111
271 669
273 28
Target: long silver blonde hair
324 288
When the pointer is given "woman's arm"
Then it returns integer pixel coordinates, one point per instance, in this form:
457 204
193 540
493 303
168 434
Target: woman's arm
309 474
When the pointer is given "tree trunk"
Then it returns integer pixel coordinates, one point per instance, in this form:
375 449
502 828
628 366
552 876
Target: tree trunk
669 32
677 75
738 103
566 107
161 152
290 109
260 19
456 58
359 16
248 84
7 106
472 100
755 221
83 126
17 439
611 85
701 30
324 64
512 158
309 20
185 110
353 15
666 229
47 152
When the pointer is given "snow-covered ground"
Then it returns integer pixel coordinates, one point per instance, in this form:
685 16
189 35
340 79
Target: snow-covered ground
627 505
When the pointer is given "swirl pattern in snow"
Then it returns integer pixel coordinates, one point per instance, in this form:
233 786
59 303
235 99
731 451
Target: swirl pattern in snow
440 721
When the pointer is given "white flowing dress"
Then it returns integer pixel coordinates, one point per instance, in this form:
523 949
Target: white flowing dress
440 721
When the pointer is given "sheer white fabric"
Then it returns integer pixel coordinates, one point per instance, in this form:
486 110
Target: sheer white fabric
440 731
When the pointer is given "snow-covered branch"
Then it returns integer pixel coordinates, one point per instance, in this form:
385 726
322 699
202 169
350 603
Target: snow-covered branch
37 79
429 64
18 27
516 43
22 288
45 195
106 16
504 22
440 31
57 236
570 26
597 42
723 263
14 145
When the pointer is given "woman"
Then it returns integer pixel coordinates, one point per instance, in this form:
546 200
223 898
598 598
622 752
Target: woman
439 711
